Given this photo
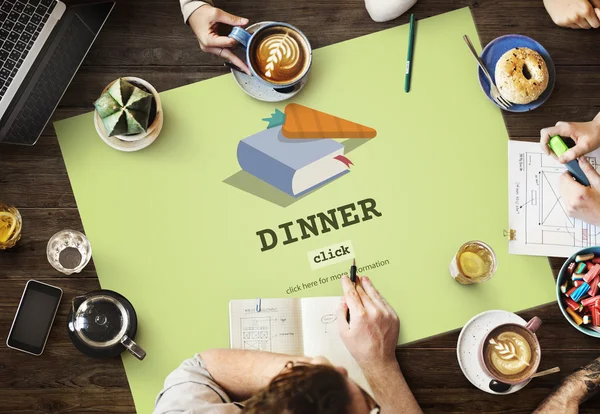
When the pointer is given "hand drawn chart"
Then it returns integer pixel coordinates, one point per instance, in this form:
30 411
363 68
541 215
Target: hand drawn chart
537 215
327 319
256 333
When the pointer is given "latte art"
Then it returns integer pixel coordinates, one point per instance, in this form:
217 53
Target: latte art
509 353
280 55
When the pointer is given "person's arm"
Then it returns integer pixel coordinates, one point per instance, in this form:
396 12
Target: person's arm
580 202
371 337
575 14
190 6
575 389
242 373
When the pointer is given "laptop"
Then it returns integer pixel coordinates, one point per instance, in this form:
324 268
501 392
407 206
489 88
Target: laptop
42 44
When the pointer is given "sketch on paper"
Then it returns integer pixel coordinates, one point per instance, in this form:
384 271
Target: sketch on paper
256 333
537 214
327 319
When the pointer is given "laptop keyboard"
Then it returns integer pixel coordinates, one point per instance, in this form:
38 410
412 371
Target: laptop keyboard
20 24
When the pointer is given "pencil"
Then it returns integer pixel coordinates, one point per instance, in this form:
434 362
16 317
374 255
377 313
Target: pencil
411 42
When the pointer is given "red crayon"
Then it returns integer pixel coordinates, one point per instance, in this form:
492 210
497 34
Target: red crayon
590 301
573 305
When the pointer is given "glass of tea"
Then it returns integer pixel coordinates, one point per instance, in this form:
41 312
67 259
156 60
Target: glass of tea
475 262
10 226
69 251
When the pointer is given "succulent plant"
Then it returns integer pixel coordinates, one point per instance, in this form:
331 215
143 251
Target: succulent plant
124 108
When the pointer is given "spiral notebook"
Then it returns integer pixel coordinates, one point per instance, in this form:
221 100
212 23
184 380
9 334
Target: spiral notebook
295 326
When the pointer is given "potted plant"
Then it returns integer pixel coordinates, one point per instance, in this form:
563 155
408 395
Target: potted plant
128 114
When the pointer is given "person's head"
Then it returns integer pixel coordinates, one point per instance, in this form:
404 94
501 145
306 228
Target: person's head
315 388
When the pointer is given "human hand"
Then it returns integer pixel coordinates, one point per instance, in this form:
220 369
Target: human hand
372 334
576 14
582 202
205 21
585 134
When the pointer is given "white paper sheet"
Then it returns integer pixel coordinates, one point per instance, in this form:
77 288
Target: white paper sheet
537 213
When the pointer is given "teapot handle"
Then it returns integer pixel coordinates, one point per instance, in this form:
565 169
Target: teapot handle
132 347
76 302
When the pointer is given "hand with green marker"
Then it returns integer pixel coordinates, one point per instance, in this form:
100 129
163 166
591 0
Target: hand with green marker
585 134
580 202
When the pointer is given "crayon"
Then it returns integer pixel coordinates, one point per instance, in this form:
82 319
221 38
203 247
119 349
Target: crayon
581 290
571 268
576 318
584 257
573 305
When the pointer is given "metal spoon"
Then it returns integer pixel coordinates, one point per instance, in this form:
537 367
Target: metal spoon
501 387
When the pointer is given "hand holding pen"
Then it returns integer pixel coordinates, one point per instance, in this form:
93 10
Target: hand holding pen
372 335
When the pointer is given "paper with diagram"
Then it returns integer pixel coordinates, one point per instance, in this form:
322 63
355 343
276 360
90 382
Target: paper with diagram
295 326
538 221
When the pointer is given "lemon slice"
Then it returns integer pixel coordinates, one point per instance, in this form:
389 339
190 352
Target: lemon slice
472 265
8 222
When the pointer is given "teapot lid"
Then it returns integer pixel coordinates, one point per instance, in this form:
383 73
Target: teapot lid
101 321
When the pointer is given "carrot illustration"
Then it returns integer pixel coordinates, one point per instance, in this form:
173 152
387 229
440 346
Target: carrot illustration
302 122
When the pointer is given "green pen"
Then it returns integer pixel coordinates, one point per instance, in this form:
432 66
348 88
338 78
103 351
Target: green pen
411 42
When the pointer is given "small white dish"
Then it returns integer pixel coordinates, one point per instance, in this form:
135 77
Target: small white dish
467 348
130 143
256 88
126 146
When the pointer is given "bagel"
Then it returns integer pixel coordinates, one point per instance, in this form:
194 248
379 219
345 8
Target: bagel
521 75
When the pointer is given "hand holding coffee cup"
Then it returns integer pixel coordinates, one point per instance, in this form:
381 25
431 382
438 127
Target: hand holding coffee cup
278 54
205 22
511 353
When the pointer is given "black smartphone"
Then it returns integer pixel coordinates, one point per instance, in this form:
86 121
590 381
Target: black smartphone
35 315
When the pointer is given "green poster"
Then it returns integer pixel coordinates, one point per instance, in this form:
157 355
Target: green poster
180 228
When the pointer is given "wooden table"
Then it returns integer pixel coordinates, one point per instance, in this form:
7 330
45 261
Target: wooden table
147 38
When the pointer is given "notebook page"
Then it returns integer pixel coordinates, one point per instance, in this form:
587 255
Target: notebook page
322 338
276 328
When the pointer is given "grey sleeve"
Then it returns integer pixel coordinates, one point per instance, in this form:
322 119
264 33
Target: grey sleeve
190 6
191 389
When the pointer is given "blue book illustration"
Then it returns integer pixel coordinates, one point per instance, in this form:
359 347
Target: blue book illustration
295 166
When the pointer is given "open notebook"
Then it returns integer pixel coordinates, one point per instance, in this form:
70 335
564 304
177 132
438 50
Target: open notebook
296 326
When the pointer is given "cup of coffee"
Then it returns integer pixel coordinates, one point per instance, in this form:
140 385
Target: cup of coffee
278 54
511 353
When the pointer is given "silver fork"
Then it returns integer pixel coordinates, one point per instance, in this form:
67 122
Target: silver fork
503 103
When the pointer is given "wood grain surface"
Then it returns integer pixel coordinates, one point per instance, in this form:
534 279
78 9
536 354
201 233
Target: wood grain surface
147 38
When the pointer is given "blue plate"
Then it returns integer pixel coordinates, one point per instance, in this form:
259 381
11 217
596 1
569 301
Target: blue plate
496 48
564 275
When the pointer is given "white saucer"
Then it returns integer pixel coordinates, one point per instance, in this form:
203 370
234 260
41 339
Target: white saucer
130 143
256 88
125 146
468 346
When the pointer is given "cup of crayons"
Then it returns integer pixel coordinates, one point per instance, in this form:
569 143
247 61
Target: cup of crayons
578 291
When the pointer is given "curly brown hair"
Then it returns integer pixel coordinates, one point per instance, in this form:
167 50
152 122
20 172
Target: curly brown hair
302 389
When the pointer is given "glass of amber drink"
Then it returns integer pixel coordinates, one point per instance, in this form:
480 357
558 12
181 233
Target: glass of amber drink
475 262
10 226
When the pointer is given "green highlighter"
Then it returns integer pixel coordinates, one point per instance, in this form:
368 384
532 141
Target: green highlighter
559 147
